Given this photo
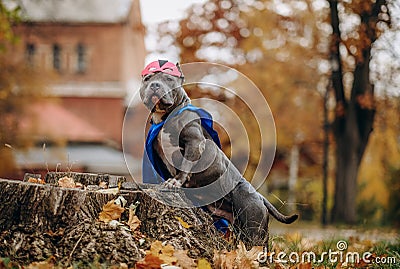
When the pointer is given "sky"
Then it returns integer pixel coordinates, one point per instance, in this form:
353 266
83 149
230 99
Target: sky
156 11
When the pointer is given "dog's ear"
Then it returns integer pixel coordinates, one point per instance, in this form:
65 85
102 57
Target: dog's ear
180 70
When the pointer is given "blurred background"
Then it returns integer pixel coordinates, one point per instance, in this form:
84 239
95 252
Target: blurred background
329 69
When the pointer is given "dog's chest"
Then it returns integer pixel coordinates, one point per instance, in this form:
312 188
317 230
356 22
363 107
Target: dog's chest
168 150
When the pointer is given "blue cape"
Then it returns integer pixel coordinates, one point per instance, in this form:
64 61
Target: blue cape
154 170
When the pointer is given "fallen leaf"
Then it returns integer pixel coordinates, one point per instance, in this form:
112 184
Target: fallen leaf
103 185
47 264
155 248
203 264
133 222
165 253
225 259
36 180
279 266
184 260
183 223
149 262
303 265
66 182
110 212
248 259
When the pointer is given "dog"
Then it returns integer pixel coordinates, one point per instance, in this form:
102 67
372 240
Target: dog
188 155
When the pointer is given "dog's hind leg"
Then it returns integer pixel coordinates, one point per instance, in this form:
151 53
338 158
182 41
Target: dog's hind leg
250 216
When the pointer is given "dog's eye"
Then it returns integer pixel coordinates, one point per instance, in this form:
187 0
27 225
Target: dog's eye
169 79
146 78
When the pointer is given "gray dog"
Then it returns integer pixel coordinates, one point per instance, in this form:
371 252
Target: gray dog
187 154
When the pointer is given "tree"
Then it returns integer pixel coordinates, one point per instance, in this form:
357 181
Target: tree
279 51
354 112
290 50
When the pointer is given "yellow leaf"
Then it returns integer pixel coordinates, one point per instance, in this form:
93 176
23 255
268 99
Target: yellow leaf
203 264
155 248
183 223
110 212
36 180
165 253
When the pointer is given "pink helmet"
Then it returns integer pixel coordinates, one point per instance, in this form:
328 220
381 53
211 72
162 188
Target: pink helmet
162 66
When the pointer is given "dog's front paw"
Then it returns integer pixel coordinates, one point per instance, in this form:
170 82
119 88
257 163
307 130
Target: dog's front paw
172 183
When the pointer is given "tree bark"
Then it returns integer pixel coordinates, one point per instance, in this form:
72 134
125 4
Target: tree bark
38 221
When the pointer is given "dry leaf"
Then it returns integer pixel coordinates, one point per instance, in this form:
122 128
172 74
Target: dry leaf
203 264
66 182
155 248
149 262
225 260
279 266
103 185
165 253
110 212
304 265
184 260
36 180
47 264
183 223
247 259
133 222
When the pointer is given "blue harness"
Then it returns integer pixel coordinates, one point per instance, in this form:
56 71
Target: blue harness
154 170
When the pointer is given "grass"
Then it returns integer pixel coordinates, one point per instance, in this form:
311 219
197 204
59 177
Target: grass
336 251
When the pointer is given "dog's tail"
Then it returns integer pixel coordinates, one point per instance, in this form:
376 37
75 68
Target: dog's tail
278 215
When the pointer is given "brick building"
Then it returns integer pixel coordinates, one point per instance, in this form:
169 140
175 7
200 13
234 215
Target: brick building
95 49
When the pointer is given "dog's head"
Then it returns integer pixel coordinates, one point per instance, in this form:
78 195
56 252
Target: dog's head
161 88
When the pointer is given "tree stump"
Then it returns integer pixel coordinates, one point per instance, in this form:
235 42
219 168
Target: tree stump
38 221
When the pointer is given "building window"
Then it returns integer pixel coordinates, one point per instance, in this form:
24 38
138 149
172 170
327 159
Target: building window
30 51
81 63
57 57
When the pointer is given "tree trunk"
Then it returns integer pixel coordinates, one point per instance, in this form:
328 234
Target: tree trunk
347 163
351 134
38 221
325 164
354 117
293 176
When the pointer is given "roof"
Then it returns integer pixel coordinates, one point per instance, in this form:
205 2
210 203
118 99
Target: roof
75 11
95 158
52 121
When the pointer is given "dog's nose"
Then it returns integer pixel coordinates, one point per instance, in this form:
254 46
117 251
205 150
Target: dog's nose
155 86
